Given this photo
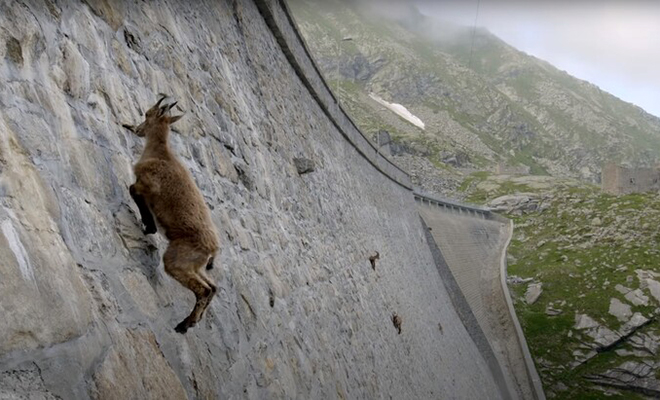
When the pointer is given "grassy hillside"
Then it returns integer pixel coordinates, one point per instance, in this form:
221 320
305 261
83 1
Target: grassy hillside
586 248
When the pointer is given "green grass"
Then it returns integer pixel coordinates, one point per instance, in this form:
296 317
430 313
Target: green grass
480 196
579 263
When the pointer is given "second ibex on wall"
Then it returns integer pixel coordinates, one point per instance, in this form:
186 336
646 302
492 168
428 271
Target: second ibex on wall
166 188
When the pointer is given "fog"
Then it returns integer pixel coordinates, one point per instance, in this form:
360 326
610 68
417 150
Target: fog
613 44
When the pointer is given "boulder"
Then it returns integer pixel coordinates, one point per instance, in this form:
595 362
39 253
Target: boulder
620 310
635 322
533 292
551 311
583 321
521 202
631 375
303 165
637 298
647 342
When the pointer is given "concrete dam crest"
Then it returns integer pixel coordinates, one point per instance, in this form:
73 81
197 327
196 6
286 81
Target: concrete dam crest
300 313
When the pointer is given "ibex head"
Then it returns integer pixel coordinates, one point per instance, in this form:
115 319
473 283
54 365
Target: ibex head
156 118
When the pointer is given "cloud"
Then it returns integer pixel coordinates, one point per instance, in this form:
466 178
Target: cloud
614 44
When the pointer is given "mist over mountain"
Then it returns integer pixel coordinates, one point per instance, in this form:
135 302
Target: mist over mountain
482 101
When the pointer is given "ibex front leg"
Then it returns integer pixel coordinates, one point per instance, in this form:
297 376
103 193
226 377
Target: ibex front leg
145 213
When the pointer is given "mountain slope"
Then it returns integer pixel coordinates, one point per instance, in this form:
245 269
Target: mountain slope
492 104
593 260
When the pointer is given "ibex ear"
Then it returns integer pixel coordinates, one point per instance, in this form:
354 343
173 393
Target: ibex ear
175 118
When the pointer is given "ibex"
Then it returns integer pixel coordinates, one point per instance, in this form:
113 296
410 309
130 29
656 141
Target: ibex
397 321
372 260
166 188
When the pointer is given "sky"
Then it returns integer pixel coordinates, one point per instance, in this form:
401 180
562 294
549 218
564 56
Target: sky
613 44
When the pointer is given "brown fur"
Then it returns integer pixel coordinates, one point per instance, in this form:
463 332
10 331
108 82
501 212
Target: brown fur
165 188
397 321
372 260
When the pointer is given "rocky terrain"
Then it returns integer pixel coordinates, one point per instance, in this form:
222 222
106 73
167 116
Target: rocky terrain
583 271
299 200
493 104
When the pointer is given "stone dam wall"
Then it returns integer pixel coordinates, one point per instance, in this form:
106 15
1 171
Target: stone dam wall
473 242
87 311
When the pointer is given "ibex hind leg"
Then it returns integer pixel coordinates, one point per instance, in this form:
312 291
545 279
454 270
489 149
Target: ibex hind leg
203 293
213 287
183 263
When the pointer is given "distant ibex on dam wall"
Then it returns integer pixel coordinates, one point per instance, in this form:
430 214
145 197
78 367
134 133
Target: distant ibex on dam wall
166 188
372 260
397 321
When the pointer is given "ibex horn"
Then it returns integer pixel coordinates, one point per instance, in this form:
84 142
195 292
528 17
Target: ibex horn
129 127
169 107
161 100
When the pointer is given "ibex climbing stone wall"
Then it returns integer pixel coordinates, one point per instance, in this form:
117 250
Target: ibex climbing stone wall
86 309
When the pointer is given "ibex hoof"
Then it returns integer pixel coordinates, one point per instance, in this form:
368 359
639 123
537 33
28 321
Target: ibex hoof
182 327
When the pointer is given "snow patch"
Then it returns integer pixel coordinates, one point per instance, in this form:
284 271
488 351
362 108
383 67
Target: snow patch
399 110
19 250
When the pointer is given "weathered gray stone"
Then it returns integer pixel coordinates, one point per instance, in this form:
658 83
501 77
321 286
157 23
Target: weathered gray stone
631 375
634 353
87 310
533 292
136 368
645 341
622 289
24 379
76 69
551 311
654 288
637 297
603 336
303 165
515 280
583 321
635 322
581 357
520 202
620 310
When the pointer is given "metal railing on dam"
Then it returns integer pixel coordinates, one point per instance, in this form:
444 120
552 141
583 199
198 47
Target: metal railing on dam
457 207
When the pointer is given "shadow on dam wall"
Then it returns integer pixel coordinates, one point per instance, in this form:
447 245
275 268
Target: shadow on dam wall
87 311
469 244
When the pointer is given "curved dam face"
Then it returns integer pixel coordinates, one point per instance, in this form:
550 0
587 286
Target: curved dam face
87 311
473 245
